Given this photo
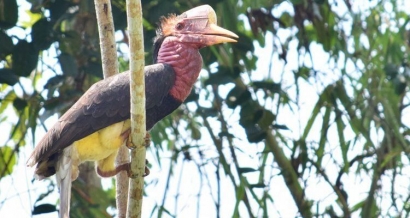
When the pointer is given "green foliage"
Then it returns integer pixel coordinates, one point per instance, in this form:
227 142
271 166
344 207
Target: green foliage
7 161
90 201
24 58
44 208
8 13
8 77
6 46
42 34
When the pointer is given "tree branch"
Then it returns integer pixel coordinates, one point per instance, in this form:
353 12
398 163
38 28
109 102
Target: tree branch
110 67
138 129
289 175
107 37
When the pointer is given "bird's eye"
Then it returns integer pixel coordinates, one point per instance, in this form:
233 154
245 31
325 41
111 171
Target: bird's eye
179 26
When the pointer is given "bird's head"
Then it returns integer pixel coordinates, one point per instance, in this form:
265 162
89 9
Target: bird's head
178 40
197 27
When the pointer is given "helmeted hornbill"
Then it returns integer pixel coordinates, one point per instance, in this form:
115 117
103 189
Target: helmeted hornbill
98 123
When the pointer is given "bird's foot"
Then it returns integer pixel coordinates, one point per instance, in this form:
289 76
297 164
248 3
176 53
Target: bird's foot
134 176
126 137
114 172
123 167
147 139
146 171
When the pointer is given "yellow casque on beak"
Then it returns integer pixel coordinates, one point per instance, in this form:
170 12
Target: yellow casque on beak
202 21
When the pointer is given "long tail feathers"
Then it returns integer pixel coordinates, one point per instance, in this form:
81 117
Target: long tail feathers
64 178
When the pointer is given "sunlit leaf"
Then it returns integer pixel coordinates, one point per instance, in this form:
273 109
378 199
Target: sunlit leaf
286 19
33 17
8 159
8 98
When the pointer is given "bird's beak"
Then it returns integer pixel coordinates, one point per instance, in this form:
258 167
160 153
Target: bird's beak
203 22
214 34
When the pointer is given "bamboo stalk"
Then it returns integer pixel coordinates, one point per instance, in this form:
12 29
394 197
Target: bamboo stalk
107 37
109 61
138 129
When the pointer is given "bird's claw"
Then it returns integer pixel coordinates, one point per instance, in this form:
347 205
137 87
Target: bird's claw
147 139
146 172
134 176
126 134
130 145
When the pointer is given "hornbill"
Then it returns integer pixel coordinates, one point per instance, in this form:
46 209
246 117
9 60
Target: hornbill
95 127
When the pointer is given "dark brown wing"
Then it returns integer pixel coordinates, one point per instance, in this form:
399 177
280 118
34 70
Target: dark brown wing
105 103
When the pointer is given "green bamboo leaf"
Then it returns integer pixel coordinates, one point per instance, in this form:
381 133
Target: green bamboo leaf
249 114
33 110
226 134
7 76
44 208
19 104
344 147
42 34
255 134
237 96
195 132
8 98
258 185
266 119
389 157
240 192
341 94
393 121
7 160
323 97
358 206
68 64
267 85
370 210
25 58
243 170
323 136
6 45
8 14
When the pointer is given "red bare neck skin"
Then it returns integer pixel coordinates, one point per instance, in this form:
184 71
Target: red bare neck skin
186 61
